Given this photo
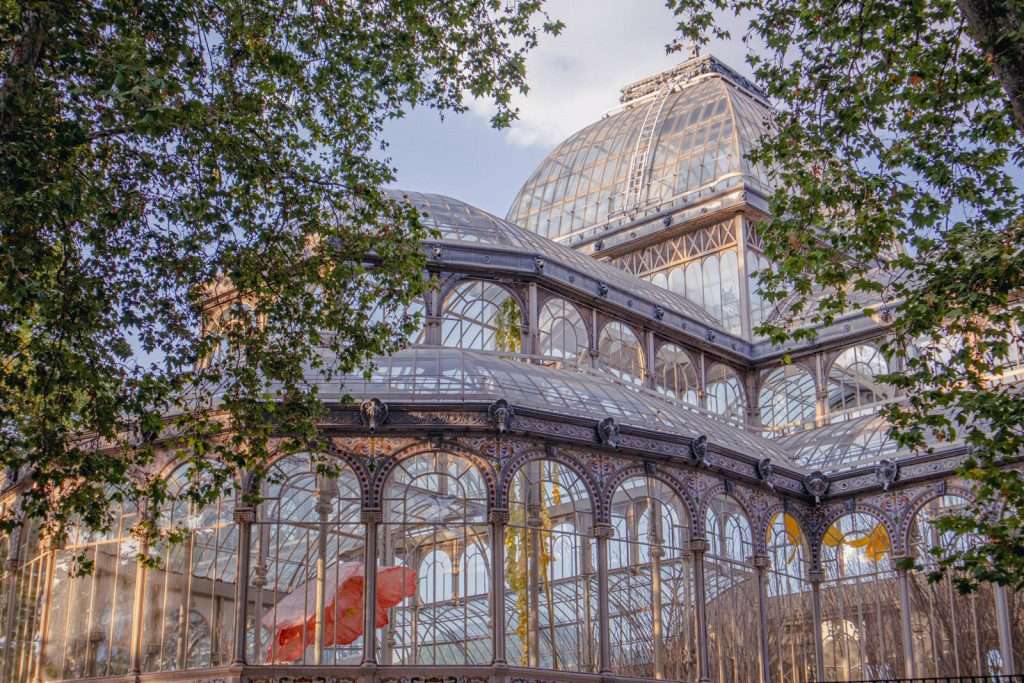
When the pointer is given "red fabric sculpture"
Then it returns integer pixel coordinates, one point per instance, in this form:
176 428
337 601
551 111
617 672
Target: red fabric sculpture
293 620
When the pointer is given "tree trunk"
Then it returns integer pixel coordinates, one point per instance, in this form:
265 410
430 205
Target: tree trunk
997 27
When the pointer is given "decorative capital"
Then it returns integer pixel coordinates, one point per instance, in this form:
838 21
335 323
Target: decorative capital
697 545
498 516
760 562
501 414
603 531
608 432
245 514
815 575
371 515
373 413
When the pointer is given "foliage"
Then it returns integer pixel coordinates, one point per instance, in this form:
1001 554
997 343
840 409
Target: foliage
898 164
194 233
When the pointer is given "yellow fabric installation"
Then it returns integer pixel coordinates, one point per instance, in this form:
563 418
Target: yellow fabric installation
875 543
794 535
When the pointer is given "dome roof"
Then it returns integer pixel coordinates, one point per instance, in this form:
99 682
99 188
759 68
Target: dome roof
681 135
457 221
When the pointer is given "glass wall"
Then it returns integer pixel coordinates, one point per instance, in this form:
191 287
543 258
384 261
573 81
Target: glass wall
787 400
433 548
852 387
790 615
306 581
732 593
621 353
482 316
860 601
90 621
189 607
725 394
650 584
24 584
953 634
563 334
675 374
551 579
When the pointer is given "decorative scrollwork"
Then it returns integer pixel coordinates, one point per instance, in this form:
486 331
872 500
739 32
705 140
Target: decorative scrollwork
887 472
699 450
766 472
816 484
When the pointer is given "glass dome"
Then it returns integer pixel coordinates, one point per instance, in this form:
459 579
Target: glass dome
680 136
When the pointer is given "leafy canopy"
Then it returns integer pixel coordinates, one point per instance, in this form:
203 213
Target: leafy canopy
898 165
193 223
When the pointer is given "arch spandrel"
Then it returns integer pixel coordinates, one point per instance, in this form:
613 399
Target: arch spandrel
387 464
920 499
513 466
665 476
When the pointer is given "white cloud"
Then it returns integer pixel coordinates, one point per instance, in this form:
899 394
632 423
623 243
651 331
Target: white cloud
576 77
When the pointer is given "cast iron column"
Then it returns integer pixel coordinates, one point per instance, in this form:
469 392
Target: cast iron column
602 532
698 546
1005 634
499 518
371 518
761 564
815 577
245 515
906 631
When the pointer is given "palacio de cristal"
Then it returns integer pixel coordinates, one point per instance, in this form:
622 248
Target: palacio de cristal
586 467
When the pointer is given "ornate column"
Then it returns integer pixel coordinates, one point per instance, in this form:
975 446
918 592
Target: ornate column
698 546
138 604
326 490
245 515
602 532
761 564
815 576
498 519
906 632
1003 626
370 518
657 627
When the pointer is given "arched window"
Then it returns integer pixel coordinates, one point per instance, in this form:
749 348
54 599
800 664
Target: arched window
476 571
731 587
550 570
621 353
482 316
790 615
851 381
563 333
675 374
957 633
435 578
307 533
435 507
188 615
787 400
90 615
725 393
650 589
860 633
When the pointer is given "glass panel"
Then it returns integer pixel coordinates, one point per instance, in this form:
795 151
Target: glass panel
483 316
953 634
435 520
563 333
189 607
787 400
550 571
860 602
852 386
725 393
651 584
675 374
790 616
620 353
731 585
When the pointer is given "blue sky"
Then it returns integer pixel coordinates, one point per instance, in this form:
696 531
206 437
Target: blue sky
574 78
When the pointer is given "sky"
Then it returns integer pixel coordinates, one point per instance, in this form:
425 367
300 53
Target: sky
573 78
